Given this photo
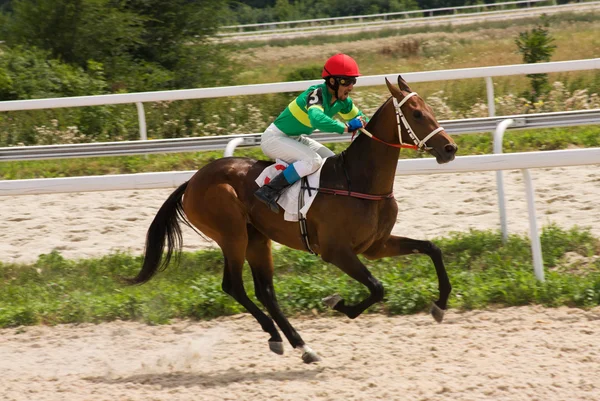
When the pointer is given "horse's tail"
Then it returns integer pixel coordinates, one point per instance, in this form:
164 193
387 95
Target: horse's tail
164 226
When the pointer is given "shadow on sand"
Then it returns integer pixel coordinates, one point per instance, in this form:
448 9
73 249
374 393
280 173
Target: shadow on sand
213 379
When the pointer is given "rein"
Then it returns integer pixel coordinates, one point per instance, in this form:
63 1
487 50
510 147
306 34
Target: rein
400 118
420 145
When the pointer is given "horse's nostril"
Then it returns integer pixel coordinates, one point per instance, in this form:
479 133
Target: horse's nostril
451 148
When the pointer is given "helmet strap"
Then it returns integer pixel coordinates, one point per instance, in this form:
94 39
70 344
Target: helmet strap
335 86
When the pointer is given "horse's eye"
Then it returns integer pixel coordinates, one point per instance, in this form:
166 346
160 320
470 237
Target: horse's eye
417 114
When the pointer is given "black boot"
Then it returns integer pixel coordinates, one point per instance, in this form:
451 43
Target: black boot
269 193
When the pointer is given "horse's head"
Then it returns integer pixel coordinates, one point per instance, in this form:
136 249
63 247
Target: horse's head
417 124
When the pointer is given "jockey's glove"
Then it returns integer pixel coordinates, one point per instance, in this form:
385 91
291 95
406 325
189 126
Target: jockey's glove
356 123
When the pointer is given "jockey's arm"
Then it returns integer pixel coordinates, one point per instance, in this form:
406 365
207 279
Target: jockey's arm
351 112
319 120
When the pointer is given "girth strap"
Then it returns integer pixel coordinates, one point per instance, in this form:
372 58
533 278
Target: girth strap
353 194
301 219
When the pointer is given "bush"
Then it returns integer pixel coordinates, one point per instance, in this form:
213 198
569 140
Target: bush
30 73
536 46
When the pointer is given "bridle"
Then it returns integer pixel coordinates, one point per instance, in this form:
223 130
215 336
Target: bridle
419 145
400 118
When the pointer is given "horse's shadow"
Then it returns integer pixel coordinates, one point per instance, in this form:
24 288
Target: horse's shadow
213 379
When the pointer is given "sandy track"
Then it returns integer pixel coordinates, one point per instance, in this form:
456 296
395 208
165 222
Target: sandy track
94 224
526 353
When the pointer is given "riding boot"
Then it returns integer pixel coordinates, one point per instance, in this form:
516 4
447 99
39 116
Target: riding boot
269 193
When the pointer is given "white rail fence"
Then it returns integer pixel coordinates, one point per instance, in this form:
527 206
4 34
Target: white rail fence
230 142
297 86
323 22
362 23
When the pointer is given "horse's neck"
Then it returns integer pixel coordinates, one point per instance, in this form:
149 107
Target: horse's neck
370 166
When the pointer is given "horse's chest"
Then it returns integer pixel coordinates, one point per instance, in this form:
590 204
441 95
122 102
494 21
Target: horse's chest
374 221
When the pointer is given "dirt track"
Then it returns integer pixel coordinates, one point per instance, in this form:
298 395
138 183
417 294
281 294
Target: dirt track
527 353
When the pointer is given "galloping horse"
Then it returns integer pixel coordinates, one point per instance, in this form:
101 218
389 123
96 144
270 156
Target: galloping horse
353 214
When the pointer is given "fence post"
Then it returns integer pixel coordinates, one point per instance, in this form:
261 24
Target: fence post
489 85
536 247
141 120
497 144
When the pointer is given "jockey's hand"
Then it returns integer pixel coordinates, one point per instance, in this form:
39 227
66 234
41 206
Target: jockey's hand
356 123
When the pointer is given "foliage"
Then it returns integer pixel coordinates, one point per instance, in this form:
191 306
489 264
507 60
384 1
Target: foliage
482 270
253 11
537 46
140 44
30 73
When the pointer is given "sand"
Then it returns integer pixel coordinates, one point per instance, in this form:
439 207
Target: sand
525 353
91 224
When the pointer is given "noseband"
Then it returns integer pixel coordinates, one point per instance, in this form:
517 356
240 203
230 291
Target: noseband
400 118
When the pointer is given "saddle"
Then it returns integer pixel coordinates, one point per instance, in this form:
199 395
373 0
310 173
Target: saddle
297 199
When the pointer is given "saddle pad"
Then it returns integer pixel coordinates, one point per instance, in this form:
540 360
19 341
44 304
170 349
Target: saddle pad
289 199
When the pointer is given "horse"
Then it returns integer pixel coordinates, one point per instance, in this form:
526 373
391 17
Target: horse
353 214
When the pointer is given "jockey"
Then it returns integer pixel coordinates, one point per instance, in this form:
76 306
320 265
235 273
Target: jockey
286 138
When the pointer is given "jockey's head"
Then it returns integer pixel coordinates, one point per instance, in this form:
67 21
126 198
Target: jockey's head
340 73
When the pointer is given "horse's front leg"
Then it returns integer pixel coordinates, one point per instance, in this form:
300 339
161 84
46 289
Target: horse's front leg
349 263
395 246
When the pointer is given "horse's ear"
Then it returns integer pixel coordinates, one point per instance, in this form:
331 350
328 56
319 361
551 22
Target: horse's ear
403 85
393 90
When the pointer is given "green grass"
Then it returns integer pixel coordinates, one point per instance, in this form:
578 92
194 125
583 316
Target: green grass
483 271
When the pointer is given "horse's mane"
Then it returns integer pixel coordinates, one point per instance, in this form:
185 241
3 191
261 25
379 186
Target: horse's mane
378 110
340 156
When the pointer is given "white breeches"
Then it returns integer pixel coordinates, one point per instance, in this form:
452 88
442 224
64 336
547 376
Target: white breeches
306 154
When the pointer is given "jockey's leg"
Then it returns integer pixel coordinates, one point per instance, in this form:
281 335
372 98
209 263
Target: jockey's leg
302 153
321 149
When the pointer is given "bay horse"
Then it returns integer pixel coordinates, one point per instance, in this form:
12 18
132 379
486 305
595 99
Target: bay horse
354 215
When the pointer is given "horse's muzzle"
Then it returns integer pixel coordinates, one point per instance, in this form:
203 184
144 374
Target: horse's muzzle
446 154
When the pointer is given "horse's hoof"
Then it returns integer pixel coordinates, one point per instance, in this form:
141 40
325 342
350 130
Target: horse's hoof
276 347
437 313
332 300
310 357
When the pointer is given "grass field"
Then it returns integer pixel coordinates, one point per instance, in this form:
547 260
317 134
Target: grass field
483 273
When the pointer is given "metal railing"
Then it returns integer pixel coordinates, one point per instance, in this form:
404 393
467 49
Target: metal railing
348 25
324 22
128 148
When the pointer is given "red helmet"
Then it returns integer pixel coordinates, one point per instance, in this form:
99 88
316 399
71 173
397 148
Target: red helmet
340 65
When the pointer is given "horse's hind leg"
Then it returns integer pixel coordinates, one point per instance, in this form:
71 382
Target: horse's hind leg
396 246
233 285
224 220
260 260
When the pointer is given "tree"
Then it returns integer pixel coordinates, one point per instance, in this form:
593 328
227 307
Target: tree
74 31
536 46
283 10
141 44
177 36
